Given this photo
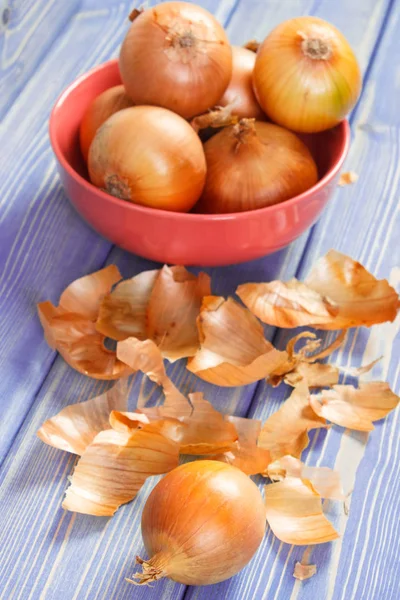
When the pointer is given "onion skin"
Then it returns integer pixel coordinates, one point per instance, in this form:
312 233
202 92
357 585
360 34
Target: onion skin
176 55
102 107
240 93
254 165
202 523
306 77
150 156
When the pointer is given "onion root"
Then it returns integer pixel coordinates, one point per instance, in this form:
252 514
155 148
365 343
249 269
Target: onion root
152 571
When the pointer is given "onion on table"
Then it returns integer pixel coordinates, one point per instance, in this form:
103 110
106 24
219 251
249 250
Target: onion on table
150 156
254 164
108 103
178 56
201 524
306 77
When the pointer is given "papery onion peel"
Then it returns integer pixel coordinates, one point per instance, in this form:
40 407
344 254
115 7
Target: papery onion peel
70 326
160 305
355 408
338 293
325 481
303 572
115 465
294 513
206 431
286 430
246 455
347 178
233 348
76 425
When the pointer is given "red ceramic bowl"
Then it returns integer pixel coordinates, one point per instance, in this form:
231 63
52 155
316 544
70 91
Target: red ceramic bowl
178 238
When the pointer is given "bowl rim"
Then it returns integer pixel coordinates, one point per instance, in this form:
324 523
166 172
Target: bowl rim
343 125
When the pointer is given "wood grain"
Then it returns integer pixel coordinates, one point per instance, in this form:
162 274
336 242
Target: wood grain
28 28
44 245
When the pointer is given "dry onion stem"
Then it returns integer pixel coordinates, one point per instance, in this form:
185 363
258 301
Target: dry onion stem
160 305
70 326
302 365
338 293
219 117
233 348
317 375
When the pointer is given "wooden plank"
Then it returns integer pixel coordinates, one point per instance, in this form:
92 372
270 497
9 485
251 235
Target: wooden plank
28 28
53 555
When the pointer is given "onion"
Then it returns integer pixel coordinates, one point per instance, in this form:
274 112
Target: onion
201 524
306 76
176 55
239 93
102 107
252 165
150 156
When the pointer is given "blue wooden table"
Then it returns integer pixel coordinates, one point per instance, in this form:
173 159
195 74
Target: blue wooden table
49 554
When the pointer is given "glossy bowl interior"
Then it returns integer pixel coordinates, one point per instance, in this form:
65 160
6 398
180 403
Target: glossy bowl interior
178 238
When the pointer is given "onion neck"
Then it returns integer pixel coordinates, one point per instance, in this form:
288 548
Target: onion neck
316 48
135 13
152 570
244 131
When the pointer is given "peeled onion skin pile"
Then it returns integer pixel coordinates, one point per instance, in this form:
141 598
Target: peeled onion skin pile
201 524
252 165
178 56
150 156
206 519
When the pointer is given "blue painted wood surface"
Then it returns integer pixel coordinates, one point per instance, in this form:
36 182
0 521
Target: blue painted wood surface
47 553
